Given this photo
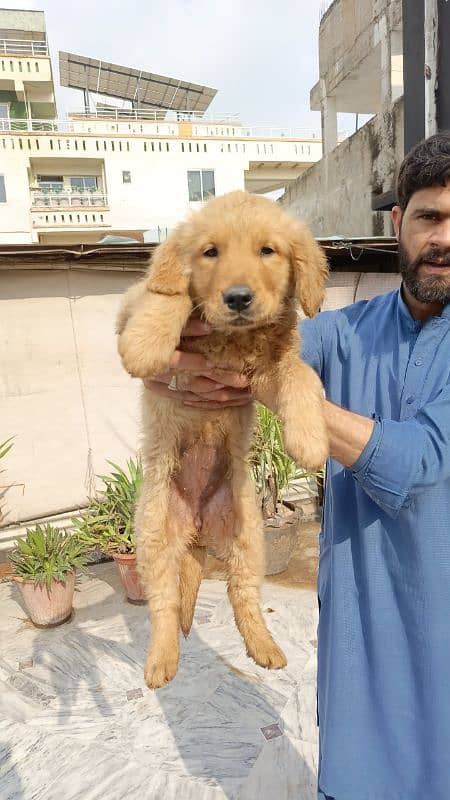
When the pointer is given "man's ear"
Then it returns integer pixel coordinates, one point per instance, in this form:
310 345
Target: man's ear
310 269
396 216
168 272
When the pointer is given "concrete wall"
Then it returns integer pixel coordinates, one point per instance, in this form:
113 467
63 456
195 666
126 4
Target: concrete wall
335 195
20 20
63 393
348 33
15 218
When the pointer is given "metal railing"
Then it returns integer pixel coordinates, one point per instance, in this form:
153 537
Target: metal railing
28 125
23 47
203 129
154 115
66 198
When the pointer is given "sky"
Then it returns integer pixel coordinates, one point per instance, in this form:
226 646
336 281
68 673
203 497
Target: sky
261 57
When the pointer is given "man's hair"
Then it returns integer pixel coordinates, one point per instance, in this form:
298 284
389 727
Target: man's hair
426 164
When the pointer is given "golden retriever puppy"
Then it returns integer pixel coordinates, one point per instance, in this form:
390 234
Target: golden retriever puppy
243 265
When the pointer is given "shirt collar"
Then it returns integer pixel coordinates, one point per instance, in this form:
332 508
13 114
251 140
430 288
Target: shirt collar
405 314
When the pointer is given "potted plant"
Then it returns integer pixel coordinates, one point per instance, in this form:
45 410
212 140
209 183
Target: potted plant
108 523
44 566
274 472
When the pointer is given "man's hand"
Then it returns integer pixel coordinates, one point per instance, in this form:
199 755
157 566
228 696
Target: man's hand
208 388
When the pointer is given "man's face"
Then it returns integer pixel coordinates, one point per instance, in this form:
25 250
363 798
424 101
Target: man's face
423 231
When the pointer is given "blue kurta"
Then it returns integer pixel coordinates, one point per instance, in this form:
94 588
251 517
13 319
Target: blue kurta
384 576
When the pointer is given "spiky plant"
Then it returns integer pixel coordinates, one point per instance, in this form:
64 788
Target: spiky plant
108 521
273 469
47 554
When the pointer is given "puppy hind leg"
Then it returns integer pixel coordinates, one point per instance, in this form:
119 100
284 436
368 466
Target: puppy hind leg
159 556
245 564
191 570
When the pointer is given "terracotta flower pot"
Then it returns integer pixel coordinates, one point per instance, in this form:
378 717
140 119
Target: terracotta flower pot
280 536
48 607
129 576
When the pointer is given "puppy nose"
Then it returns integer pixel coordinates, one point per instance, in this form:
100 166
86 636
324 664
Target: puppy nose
237 298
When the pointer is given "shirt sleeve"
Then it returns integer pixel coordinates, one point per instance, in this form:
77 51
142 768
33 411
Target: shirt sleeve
404 459
311 343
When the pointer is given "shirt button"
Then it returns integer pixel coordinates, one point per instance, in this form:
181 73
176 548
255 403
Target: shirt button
418 362
410 399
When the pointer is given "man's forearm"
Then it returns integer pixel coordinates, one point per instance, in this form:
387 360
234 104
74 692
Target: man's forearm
348 433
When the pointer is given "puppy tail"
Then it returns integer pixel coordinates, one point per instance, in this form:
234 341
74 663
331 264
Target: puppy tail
190 579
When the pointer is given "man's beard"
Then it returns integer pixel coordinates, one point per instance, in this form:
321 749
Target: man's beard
425 288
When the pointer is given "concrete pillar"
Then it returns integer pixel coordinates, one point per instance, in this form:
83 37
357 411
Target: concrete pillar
431 66
396 64
386 62
329 123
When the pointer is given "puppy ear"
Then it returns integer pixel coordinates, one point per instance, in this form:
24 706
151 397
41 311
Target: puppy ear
169 273
310 269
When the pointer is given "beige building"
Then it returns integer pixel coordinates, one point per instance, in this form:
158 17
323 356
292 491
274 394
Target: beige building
138 152
361 72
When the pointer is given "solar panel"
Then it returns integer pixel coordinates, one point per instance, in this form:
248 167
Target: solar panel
142 88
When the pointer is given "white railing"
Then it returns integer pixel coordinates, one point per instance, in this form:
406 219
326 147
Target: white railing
23 47
155 115
66 198
204 129
29 125
271 132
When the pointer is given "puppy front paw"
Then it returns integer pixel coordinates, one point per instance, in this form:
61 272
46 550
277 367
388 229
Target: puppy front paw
142 355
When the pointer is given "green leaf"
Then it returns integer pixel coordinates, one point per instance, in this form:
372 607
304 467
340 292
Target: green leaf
47 553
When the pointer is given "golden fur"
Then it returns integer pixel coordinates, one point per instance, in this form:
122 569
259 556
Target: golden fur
197 485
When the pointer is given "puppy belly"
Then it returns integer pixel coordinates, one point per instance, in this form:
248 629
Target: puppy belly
200 496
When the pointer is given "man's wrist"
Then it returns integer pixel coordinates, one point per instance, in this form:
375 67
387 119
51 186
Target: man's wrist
349 433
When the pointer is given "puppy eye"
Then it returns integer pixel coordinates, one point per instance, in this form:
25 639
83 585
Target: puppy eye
266 251
212 252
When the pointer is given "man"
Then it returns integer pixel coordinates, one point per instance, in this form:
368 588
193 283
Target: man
384 576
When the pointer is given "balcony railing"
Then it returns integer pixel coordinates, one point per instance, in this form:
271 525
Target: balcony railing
202 129
67 198
23 47
155 115
27 125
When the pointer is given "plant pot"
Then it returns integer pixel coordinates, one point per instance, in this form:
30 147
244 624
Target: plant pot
48 607
129 576
280 537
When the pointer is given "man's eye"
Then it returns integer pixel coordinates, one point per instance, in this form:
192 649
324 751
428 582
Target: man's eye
267 251
428 215
212 252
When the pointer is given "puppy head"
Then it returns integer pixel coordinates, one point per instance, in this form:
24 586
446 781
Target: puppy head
241 258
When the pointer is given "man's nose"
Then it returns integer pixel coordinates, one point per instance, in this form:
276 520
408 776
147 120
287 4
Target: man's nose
238 298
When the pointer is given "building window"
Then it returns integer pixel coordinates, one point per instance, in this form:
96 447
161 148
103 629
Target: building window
201 184
84 183
53 182
126 177
2 189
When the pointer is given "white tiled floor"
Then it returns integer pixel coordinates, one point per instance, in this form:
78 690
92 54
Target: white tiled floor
69 732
